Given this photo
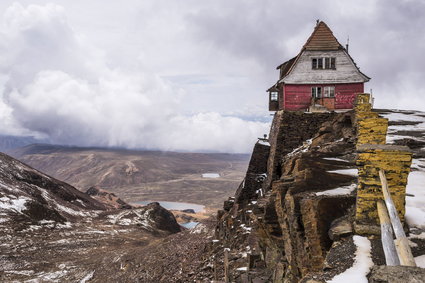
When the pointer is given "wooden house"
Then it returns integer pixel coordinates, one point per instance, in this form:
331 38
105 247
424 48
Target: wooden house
323 75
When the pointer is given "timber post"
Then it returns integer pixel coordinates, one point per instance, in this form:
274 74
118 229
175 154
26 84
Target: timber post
391 256
401 242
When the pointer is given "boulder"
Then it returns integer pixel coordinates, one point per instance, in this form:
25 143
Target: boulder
396 274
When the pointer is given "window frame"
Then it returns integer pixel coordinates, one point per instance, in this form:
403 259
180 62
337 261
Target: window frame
274 96
323 63
329 91
316 92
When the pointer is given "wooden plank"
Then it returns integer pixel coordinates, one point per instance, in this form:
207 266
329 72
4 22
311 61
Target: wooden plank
402 244
391 257
226 266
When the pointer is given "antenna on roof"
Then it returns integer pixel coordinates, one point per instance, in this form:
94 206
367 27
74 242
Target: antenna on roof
348 42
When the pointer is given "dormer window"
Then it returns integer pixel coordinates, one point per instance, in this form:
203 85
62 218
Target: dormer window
321 63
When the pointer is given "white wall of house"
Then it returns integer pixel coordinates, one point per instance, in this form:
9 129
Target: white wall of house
345 72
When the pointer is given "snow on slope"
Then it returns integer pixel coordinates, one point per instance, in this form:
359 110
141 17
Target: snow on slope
26 194
408 128
413 129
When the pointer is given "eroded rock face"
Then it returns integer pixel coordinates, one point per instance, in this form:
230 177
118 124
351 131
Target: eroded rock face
285 225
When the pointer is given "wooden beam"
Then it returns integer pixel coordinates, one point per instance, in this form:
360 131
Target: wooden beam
402 244
226 266
391 257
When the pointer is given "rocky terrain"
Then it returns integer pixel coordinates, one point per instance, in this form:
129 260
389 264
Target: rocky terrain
51 232
141 175
292 217
290 220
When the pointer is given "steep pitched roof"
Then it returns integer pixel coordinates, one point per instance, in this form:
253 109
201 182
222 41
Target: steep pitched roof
322 39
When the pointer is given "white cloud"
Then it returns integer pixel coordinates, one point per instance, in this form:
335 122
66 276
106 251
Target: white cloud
60 87
136 73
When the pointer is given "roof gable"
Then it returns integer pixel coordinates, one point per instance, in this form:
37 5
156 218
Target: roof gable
322 39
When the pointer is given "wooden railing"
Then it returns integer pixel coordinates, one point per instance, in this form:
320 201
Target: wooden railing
396 252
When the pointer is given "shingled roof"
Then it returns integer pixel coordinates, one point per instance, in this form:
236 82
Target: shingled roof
322 39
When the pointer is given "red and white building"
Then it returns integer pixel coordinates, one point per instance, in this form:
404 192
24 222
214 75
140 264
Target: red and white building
323 75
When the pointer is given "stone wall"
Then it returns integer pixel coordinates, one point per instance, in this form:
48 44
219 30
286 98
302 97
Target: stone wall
373 155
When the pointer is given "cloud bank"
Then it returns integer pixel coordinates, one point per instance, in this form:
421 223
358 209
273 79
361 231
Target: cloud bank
56 85
185 75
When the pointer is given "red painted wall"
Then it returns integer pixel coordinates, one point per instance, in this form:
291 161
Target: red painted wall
298 97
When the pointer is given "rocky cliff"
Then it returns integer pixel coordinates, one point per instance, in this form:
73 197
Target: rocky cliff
292 218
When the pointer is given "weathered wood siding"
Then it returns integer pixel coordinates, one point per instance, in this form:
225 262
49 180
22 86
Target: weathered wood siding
298 97
345 95
345 72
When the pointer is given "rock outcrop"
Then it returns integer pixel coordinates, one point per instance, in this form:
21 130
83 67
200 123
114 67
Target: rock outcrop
110 200
28 196
280 227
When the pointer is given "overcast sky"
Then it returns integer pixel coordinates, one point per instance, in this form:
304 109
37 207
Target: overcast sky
185 75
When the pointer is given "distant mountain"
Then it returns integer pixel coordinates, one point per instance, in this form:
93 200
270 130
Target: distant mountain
135 175
11 142
28 196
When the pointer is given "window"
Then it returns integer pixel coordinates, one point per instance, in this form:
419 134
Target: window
329 91
333 63
273 96
316 92
320 63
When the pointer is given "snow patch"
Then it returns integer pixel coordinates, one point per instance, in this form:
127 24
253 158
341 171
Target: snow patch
362 263
346 190
415 206
88 277
350 172
13 204
403 117
303 148
420 261
200 228
263 142
335 159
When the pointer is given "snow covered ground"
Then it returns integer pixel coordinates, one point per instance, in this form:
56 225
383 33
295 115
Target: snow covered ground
411 125
362 263
415 204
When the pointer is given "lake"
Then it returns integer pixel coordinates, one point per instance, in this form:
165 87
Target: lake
189 225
